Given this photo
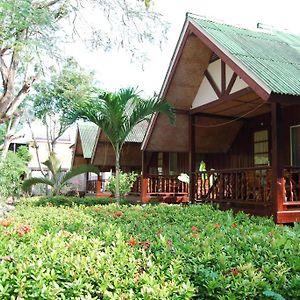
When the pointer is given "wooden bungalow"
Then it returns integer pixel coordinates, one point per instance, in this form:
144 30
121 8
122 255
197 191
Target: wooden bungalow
131 157
236 94
85 140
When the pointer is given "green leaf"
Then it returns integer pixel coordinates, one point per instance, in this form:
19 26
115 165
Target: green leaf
273 295
79 170
28 183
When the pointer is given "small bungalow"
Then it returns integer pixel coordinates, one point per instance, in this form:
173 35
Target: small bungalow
131 157
93 147
236 94
85 140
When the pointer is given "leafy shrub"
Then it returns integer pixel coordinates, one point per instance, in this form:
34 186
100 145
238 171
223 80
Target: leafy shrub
73 201
151 252
12 169
127 181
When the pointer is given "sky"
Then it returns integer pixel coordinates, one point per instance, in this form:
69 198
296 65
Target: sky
114 70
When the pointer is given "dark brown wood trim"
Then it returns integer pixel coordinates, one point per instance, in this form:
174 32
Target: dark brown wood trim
181 111
192 137
284 99
212 83
208 115
237 69
223 76
231 83
278 185
216 102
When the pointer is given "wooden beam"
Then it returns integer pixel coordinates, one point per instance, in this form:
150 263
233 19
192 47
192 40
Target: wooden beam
144 180
209 115
223 76
181 111
212 83
220 100
284 99
230 62
278 181
231 83
192 137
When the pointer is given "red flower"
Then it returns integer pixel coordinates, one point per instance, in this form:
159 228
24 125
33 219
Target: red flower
234 272
217 225
5 222
23 229
117 214
234 225
132 242
194 228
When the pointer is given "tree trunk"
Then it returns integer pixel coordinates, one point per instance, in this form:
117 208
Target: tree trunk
117 191
10 135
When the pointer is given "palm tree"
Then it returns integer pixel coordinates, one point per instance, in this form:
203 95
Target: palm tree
57 180
116 114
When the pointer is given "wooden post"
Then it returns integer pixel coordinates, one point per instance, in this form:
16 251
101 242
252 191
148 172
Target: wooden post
98 186
191 159
144 181
278 181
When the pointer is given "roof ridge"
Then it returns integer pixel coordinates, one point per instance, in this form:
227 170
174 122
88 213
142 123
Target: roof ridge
276 33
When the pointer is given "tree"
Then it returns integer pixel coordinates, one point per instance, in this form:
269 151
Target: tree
31 29
58 180
53 99
12 169
32 33
116 114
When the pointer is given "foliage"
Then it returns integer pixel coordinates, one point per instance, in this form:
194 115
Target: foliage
117 114
31 32
12 169
55 98
152 252
58 180
73 201
28 35
127 181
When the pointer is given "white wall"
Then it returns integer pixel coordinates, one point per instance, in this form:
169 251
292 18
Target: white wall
206 93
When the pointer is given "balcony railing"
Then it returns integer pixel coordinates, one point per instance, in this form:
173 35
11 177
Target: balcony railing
292 187
165 184
248 186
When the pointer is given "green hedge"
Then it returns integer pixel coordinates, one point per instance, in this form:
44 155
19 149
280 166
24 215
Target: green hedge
152 252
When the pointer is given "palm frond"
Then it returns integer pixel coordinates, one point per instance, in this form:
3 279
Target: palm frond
53 164
145 108
79 170
28 183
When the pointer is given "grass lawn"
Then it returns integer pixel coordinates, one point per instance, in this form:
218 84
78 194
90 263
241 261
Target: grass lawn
51 251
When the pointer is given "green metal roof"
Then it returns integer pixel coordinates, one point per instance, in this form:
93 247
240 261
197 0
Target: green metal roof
138 132
88 133
273 57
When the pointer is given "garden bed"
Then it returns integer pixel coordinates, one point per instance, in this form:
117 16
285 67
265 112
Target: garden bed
97 251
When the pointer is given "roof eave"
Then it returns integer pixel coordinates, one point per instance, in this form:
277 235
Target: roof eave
241 70
171 69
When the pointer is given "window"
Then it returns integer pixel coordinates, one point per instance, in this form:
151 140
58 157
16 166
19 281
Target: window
261 147
172 163
295 145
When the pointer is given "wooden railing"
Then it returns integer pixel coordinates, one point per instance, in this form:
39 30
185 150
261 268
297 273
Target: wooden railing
91 186
292 187
165 184
137 187
248 185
